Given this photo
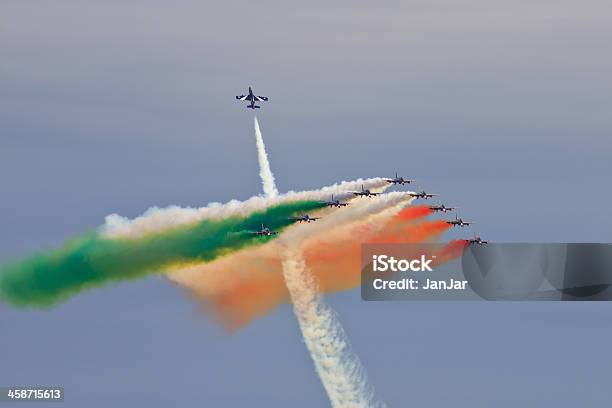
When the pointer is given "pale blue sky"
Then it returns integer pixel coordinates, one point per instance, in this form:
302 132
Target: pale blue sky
503 107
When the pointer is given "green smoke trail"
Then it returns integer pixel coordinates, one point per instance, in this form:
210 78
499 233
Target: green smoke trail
45 279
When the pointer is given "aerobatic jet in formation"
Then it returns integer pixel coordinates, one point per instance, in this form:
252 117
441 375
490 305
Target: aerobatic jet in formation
264 231
458 222
304 218
334 203
399 180
252 98
441 208
477 240
364 193
422 194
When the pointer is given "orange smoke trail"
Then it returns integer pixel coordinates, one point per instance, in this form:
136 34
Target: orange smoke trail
257 287
249 300
236 289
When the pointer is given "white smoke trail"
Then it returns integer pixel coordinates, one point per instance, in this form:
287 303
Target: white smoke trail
158 219
339 369
267 178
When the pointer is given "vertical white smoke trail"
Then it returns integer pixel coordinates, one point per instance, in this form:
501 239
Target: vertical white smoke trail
339 369
267 178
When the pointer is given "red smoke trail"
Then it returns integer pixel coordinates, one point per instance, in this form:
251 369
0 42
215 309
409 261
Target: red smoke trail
413 213
412 233
450 251
407 216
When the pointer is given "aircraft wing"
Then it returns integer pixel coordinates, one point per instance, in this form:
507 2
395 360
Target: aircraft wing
261 98
242 97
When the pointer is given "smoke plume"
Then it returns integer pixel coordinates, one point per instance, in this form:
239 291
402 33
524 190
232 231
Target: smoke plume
339 369
267 178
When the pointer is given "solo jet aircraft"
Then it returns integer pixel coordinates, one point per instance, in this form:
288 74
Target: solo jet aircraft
252 98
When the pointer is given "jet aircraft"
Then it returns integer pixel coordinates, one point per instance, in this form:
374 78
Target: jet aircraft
477 240
304 218
458 222
264 231
364 193
334 203
399 180
252 98
422 194
441 208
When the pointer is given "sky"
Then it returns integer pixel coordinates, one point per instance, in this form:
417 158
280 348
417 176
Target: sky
503 107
